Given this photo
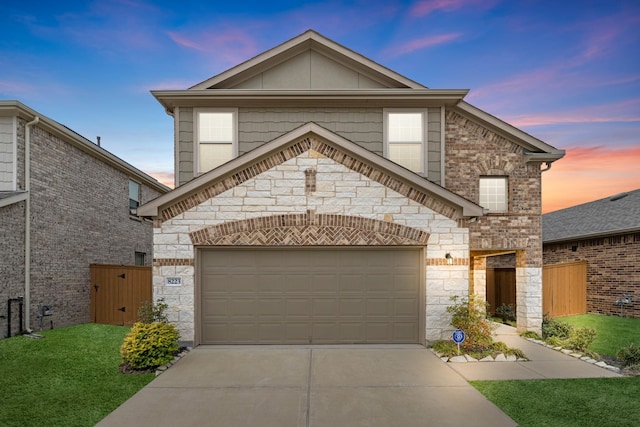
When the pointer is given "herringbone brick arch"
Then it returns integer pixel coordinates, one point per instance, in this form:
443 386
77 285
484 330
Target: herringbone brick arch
309 229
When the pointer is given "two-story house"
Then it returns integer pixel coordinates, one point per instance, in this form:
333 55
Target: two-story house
323 198
65 203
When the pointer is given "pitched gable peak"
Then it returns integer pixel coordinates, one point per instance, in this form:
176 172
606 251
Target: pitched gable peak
291 63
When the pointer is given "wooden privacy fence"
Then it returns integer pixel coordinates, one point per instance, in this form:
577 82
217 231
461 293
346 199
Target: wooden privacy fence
117 292
564 289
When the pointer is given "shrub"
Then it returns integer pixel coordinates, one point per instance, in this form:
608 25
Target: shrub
629 356
470 315
555 328
149 345
153 312
581 338
506 312
445 348
530 334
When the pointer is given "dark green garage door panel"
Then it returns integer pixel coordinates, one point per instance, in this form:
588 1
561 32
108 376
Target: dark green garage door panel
333 296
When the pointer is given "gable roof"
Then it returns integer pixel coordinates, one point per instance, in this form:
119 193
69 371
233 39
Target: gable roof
612 215
296 142
309 40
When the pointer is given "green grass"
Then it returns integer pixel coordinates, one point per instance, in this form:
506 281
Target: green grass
600 402
68 378
613 332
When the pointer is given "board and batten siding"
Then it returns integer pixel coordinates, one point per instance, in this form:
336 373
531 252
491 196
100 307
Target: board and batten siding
7 154
257 126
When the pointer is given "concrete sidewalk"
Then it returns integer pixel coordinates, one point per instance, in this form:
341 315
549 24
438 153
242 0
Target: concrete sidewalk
543 363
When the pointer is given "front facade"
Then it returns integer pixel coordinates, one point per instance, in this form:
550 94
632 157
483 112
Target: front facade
82 202
322 198
606 234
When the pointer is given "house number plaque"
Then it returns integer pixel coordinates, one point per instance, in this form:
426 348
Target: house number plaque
173 281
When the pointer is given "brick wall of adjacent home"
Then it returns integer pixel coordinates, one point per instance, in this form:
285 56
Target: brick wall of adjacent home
274 207
613 269
80 216
472 151
11 264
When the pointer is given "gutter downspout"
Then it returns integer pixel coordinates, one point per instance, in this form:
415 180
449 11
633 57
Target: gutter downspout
547 167
27 223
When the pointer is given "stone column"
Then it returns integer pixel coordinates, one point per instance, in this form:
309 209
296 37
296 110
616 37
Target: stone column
528 295
478 282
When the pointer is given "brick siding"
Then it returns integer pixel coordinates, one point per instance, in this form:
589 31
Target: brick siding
80 212
613 269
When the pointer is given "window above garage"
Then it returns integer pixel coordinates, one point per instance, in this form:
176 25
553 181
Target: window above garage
216 138
405 136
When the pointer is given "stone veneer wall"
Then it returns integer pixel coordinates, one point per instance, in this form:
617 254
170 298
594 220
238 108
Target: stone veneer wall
349 200
613 269
80 216
471 152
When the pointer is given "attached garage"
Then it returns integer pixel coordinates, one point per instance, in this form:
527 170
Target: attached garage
330 295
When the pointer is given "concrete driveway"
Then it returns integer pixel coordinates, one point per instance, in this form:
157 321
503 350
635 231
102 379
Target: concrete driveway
309 386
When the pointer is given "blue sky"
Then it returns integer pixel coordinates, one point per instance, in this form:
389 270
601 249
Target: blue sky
567 72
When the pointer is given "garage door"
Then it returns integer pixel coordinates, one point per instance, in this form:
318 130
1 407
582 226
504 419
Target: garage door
309 296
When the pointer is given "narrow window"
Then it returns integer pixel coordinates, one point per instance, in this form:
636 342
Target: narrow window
493 193
405 139
216 139
140 258
134 197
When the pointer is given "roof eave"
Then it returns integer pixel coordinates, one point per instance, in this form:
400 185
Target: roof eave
78 141
371 97
465 207
592 235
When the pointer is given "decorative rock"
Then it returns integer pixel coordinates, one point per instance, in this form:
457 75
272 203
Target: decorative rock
576 355
501 358
470 359
557 348
565 351
520 359
511 358
444 359
487 359
458 359
584 358
613 368
592 361
601 364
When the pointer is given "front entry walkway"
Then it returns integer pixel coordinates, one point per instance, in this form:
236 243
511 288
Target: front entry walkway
543 363
308 386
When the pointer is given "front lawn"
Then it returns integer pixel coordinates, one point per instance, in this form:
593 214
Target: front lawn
613 332
68 378
600 402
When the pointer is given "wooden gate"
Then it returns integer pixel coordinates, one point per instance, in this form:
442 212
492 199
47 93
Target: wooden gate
564 289
117 292
501 288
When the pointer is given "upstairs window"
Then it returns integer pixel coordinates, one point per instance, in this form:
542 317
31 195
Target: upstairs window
216 136
405 139
134 197
494 193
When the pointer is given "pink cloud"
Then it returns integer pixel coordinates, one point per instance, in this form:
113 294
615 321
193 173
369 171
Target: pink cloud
421 43
627 111
424 8
166 178
232 46
590 173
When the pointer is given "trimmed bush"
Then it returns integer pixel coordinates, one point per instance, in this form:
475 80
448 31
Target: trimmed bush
629 356
153 312
470 315
149 345
506 312
581 338
555 328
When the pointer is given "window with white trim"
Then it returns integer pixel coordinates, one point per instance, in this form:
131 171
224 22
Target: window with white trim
494 193
405 139
215 138
134 197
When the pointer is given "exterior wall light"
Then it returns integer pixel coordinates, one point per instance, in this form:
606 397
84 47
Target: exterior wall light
449 258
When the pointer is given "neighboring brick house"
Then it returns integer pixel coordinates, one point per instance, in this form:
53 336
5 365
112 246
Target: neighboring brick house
323 198
606 234
80 197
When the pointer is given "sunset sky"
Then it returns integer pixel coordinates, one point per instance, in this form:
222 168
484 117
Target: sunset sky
566 72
